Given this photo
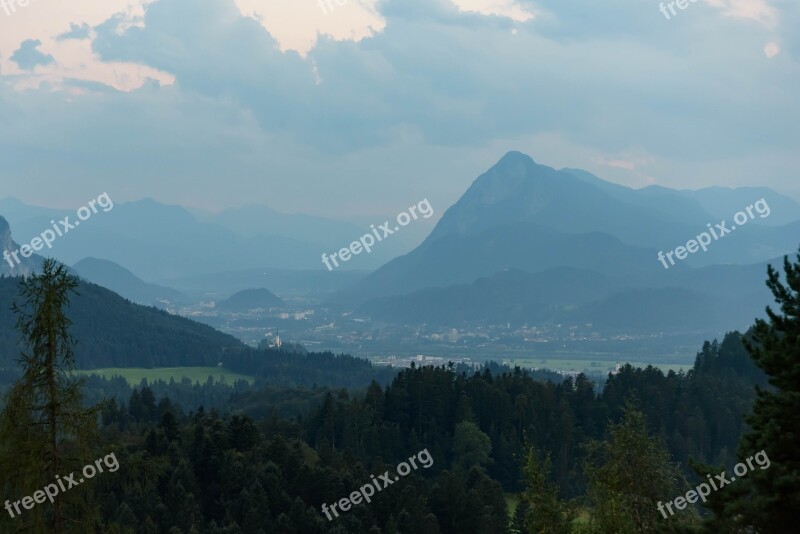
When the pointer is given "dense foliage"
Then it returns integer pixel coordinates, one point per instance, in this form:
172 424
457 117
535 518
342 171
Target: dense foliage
206 473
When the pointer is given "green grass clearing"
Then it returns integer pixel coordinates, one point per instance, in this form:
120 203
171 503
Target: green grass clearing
134 375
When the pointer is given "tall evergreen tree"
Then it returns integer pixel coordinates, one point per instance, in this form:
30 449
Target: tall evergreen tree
767 499
44 429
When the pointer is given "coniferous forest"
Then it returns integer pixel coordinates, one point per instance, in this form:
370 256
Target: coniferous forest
576 457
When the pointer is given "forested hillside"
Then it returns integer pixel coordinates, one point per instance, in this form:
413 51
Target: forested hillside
114 332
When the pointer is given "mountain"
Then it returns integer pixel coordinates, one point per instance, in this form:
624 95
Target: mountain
123 282
527 216
250 299
517 190
113 332
8 263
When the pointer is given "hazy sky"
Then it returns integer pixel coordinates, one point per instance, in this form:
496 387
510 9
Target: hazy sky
370 106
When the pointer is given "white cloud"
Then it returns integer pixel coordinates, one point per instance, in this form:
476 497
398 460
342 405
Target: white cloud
756 10
505 8
296 24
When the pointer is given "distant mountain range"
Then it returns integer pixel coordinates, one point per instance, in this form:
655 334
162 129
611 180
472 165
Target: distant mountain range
192 287
578 296
529 243
526 243
160 242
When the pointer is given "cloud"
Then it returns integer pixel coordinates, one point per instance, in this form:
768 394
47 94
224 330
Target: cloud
75 32
504 8
397 96
28 57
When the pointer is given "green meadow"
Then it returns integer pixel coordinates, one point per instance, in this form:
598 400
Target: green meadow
196 374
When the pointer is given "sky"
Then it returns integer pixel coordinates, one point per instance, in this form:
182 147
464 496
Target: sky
347 108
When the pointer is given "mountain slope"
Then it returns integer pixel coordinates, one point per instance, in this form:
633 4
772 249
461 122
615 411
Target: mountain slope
689 300
7 245
673 310
511 296
123 282
458 259
113 332
518 190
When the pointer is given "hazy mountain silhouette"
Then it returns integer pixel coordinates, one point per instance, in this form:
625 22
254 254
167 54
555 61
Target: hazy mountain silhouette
522 215
512 295
25 266
159 241
123 282
528 243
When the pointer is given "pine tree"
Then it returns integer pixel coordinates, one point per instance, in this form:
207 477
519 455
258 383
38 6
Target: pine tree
767 499
44 429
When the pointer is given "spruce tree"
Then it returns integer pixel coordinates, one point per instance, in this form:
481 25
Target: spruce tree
44 428
767 499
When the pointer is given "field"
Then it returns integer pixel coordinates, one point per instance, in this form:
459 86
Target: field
196 374
587 366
